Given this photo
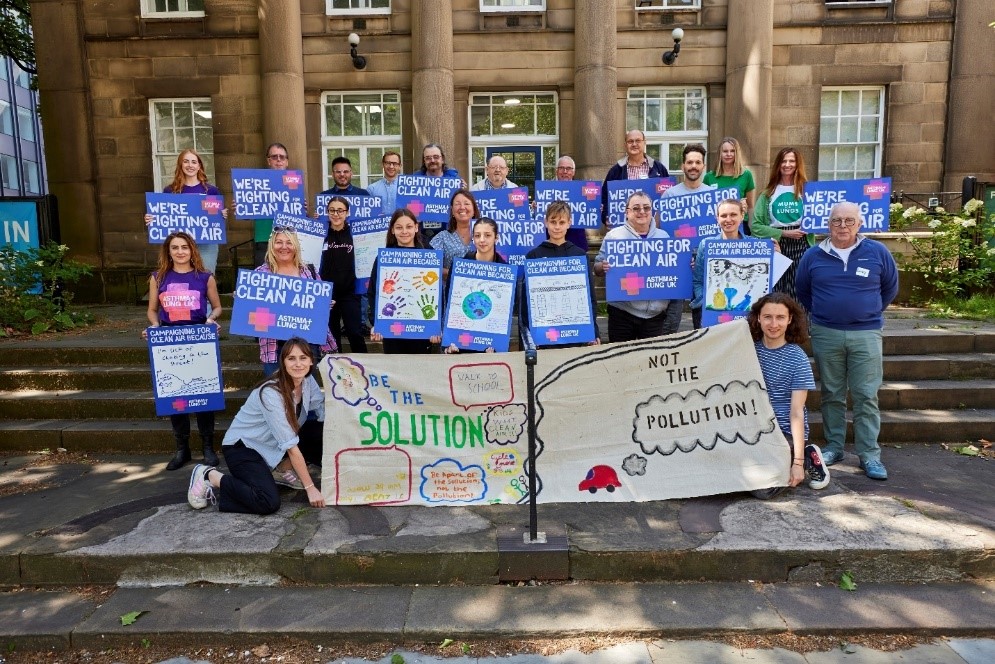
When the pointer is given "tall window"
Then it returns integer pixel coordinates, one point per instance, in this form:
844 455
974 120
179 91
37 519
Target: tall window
25 124
178 124
671 118
8 171
6 118
648 5
360 126
514 119
357 7
851 132
172 8
512 5
32 183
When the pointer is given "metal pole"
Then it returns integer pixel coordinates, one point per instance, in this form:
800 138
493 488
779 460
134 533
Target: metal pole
531 358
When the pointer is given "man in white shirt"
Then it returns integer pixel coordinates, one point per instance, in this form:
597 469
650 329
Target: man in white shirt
497 176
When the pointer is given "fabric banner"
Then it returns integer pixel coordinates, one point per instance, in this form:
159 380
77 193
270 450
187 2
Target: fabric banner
409 293
620 190
310 233
518 233
197 215
481 301
655 419
186 369
559 300
276 306
737 274
873 197
368 237
584 199
428 197
260 193
360 207
650 269
693 216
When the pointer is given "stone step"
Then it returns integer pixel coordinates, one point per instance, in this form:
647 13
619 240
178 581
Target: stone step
92 404
921 426
926 394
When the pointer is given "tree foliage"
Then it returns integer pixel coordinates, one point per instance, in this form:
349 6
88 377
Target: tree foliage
16 41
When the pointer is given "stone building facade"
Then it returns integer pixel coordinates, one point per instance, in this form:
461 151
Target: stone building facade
899 88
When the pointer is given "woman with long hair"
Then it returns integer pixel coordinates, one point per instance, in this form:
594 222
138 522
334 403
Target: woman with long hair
190 178
269 442
183 292
457 240
778 213
731 172
338 265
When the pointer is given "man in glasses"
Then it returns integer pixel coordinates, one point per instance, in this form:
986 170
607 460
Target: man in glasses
342 175
434 163
277 158
386 187
566 169
638 319
845 282
635 165
497 175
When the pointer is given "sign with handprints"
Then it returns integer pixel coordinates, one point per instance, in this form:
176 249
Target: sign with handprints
409 293
186 369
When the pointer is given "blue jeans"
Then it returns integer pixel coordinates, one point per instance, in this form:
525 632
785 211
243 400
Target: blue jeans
209 254
850 360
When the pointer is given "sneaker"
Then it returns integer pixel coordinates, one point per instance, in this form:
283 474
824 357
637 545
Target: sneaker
767 494
831 457
815 468
288 478
200 492
874 469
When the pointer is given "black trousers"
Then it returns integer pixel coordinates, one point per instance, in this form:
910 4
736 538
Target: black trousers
205 426
623 326
345 314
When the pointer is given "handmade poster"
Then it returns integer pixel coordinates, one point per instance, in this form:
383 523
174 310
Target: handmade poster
648 269
275 306
428 197
559 300
481 301
693 216
261 193
310 233
368 236
671 417
518 233
584 199
197 215
620 190
360 207
186 369
737 274
409 293
873 197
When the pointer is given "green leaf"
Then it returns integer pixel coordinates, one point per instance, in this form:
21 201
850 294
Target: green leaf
968 450
465 647
446 643
31 314
396 659
130 618
847 582
40 327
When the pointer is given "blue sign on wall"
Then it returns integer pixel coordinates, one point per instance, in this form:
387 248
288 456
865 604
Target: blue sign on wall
19 225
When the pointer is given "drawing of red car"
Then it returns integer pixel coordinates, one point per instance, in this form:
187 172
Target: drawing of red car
600 477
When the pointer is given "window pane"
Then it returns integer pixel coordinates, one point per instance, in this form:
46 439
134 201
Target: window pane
828 130
183 115
546 120
480 120
674 157
830 103
164 114
184 139
204 140
333 120
695 115
865 157
869 130
392 119
850 102
848 130
633 115
654 116
353 120
827 162
845 159
675 115
165 142
870 102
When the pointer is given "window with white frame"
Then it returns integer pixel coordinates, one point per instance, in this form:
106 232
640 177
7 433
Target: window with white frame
514 119
172 8
8 171
360 126
25 124
176 125
362 7
649 5
512 5
671 118
851 133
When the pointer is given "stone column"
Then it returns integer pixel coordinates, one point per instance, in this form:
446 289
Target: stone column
749 64
432 97
597 139
281 60
970 136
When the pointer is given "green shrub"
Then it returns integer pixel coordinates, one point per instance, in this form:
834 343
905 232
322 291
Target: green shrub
34 290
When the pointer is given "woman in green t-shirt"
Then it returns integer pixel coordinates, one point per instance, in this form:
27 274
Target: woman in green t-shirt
732 173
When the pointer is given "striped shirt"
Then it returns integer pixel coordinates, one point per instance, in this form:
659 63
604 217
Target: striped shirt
785 369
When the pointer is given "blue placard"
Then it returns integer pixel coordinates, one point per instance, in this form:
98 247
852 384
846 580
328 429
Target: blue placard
428 197
620 190
692 216
559 300
196 214
481 302
873 197
186 369
737 274
261 193
310 233
648 269
518 233
368 237
584 199
409 294
360 207
275 306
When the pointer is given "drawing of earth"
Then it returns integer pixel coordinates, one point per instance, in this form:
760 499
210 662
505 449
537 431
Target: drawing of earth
477 305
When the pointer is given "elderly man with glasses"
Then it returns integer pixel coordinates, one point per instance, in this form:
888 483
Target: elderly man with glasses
277 159
635 165
497 175
845 282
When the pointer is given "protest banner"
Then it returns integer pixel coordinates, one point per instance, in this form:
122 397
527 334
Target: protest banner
428 197
368 237
310 233
584 199
186 369
261 193
737 274
481 301
276 306
194 214
409 293
872 196
518 233
559 300
655 419
620 190
693 216
360 207
648 269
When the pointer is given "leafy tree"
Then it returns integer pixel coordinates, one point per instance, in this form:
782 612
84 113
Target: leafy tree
16 41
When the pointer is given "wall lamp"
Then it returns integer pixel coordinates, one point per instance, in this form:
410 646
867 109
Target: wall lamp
670 57
358 61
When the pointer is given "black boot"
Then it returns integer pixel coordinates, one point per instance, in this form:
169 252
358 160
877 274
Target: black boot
182 455
210 458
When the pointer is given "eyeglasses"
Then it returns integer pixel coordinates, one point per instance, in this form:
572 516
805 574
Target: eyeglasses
392 163
277 157
566 168
282 229
840 221
640 209
332 210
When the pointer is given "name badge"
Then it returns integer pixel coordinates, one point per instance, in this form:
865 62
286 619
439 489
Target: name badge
863 272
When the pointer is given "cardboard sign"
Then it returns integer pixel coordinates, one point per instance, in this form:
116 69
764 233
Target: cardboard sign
409 293
559 300
693 216
310 233
873 197
275 306
584 199
648 269
197 215
186 369
737 274
481 302
360 207
261 193
428 197
518 233
620 190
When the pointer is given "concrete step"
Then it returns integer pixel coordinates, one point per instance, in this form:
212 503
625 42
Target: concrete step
921 426
106 377
92 404
941 366
926 394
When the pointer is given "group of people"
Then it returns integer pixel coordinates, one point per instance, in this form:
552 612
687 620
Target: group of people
276 436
